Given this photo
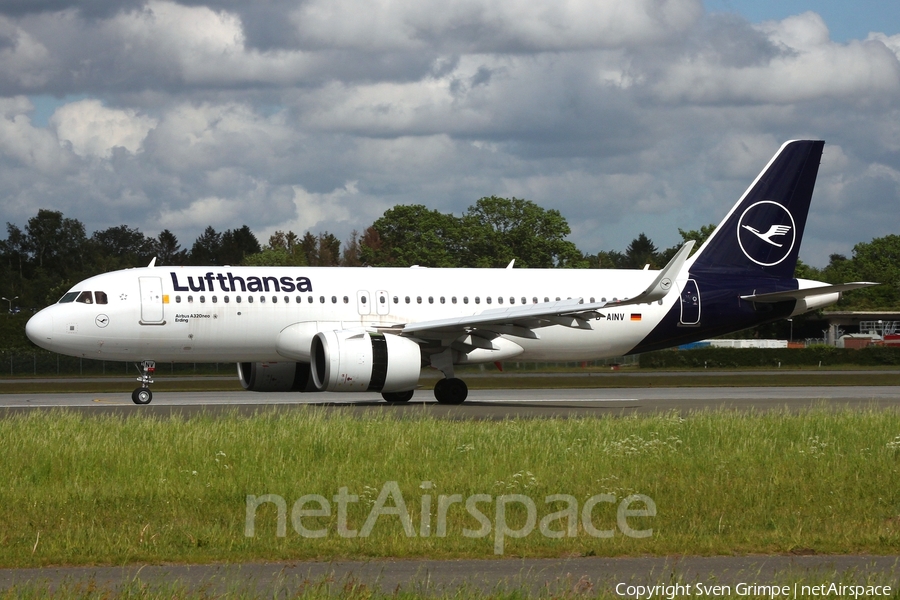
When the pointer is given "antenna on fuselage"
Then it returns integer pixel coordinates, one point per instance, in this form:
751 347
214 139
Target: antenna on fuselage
152 262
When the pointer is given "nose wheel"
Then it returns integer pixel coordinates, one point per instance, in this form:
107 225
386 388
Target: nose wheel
143 395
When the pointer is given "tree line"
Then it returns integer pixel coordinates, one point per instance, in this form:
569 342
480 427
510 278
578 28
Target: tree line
43 259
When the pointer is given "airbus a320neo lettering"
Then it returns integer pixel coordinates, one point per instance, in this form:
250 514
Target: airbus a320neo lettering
373 329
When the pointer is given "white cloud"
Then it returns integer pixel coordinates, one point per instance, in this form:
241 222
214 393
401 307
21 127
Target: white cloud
626 115
493 25
94 130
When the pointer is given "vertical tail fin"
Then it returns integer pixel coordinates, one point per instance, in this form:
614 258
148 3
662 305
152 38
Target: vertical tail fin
762 232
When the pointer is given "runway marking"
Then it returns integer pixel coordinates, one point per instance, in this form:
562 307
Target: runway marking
108 401
505 401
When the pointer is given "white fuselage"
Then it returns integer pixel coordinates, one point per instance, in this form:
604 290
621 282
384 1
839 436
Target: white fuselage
235 314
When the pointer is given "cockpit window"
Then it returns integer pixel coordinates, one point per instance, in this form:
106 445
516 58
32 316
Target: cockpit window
85 298
69 297
100 297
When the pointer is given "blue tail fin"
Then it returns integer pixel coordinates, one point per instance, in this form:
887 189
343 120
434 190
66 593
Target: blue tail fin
761 235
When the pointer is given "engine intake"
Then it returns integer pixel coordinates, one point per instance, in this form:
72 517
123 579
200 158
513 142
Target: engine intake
350 361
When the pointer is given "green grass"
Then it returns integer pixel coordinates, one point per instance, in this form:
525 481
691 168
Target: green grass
98 490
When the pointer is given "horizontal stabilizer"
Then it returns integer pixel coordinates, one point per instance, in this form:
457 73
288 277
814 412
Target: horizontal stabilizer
807 292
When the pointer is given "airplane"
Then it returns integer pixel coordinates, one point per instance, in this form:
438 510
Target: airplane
344 329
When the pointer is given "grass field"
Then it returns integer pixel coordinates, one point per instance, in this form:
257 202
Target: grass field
95 490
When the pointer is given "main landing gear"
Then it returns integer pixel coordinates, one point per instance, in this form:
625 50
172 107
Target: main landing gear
448 390
451 391
143 395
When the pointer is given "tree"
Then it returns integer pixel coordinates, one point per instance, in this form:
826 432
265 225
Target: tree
206 248
640 252
283 249
351 254
235 245
329 250
503 229
413 235
120 247
56 243
167 249
879 261
309 245
699 236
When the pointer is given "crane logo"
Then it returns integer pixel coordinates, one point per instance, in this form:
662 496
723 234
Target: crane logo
766 233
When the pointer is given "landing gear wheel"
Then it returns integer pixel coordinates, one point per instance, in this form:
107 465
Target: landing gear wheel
451 391
397 397
142 395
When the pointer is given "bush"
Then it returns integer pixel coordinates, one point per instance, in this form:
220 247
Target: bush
770 357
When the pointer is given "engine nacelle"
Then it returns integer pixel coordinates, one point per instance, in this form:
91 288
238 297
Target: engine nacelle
275 377
351 361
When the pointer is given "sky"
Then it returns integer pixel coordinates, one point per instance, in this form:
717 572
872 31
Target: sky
627 116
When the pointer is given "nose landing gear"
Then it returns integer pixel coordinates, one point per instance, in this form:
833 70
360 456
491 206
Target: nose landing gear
143 395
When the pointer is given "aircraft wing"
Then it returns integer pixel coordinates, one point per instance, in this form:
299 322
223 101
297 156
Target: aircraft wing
806 292
520 320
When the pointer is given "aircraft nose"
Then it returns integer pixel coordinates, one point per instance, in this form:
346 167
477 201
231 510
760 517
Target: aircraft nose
39 328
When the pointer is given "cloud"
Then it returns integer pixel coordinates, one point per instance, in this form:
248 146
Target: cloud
625 115
94 130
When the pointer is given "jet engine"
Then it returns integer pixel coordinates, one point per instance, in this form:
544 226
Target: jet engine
355 361
275 377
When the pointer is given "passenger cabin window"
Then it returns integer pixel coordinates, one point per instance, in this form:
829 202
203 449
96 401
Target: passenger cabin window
178 299
85 298
69 297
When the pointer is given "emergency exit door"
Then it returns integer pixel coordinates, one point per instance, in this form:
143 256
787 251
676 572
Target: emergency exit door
690 303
